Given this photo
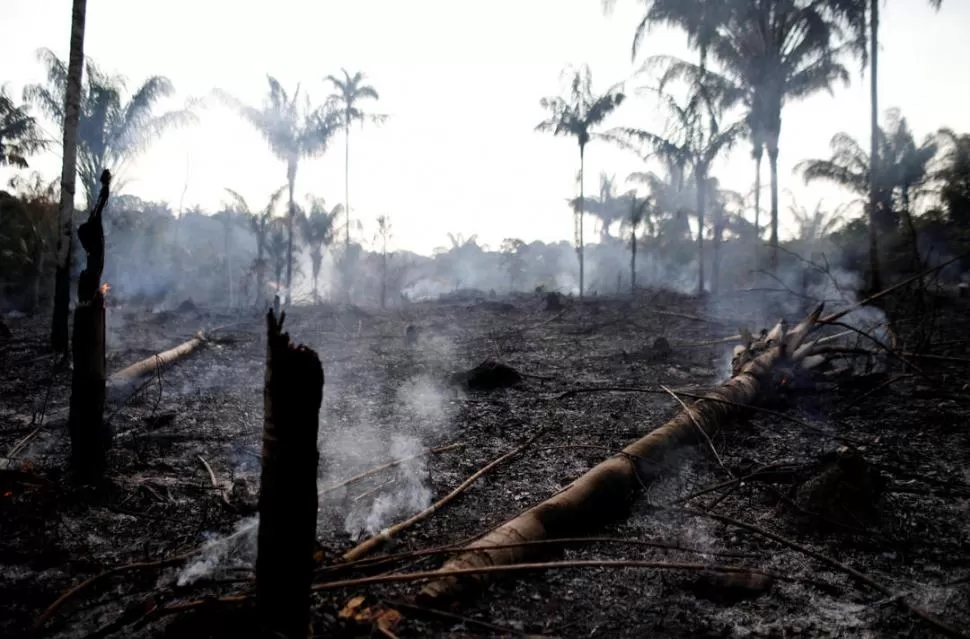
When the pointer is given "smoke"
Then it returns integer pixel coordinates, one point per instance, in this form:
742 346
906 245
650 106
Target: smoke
236 549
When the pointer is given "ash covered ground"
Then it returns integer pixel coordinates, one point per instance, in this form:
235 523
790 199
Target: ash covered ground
386 399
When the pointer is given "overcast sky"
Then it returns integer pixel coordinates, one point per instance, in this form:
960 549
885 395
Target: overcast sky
461 82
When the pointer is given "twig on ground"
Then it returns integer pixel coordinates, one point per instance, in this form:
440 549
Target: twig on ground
852 443
614 564
373 542
703 433
377 469
456 548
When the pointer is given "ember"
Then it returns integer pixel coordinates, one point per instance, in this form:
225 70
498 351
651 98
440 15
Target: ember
105 288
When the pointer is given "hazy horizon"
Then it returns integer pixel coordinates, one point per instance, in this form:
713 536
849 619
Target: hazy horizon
461 86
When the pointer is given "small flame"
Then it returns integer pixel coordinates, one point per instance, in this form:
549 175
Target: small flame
105 288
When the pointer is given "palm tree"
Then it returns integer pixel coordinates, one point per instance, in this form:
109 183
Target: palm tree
19 134
771 52
384 233
905 169
318 229
577 115
112 131
639 212
873 57
954 175
278 248
259 223
65 240
294 130
695 141
349 92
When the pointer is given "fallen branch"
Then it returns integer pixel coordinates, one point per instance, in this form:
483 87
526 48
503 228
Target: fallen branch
852 443
377 540
396 462
607 490
614 564
129 378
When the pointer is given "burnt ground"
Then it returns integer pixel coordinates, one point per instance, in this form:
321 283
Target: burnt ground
385 399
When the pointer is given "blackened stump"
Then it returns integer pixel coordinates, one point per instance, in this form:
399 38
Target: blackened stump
89 435
292 396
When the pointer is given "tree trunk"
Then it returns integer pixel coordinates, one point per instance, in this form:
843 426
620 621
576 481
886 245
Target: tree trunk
606 491
875 283
773 165
580 249
292 396
716 266
65 239
384 276
260 264
633 261
347 178
701 203
89 435
127 379
758 153
291 182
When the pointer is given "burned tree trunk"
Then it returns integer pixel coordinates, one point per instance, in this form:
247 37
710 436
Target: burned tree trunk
89 435
292 395
607 489
129 378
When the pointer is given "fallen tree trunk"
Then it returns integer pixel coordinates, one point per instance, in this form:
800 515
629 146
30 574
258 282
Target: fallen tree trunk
89 435
292 396
607 490
128 379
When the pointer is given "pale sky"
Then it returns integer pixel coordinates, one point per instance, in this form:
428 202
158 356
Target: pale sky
461 82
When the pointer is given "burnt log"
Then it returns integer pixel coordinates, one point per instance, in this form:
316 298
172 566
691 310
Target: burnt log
131 377
606 491
89 435
286 540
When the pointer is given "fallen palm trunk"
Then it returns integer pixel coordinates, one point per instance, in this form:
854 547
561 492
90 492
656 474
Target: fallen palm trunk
607 490
128 379
89 435
292 395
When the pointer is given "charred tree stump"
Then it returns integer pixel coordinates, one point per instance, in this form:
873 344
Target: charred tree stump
89 435
292 396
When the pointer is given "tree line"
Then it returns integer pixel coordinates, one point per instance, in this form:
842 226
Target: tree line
754 58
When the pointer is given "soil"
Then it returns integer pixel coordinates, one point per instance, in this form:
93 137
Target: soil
387 395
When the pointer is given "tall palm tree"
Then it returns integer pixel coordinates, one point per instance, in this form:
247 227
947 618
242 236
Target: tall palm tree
278 248
294 130
696 139
771 52
639 213
873 56
349 92
576 115
20 136
383 233
112 131
318 228
71 105
259 222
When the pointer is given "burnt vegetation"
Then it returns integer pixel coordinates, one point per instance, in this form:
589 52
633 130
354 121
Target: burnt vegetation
268 423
